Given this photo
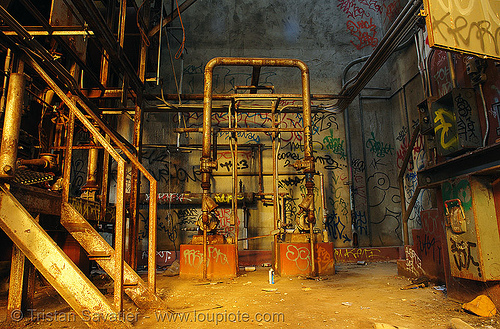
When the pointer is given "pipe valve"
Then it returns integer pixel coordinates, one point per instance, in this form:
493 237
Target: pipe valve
207 165
306 164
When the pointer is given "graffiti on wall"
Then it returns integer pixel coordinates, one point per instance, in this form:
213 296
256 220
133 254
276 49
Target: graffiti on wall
364 33
361 14
462 252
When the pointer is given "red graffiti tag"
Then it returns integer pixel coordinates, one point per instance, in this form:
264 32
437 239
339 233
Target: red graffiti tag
365 32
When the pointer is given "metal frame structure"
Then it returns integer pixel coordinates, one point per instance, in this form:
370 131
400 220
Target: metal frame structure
208 162
28 53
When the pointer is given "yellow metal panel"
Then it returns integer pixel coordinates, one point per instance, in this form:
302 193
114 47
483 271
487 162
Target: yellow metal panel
468 26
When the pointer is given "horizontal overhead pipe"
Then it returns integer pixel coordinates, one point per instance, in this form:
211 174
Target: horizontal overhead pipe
193 97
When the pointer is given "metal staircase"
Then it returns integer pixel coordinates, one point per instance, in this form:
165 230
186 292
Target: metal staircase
51 261
100 251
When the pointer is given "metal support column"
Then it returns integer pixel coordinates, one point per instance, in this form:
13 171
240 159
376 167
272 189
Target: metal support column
12 125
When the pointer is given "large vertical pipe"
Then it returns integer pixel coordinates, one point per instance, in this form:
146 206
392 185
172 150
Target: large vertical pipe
308 155
275 189
12 125
91 184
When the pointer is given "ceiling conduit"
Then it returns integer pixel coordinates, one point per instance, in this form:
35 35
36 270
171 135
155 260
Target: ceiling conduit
406 20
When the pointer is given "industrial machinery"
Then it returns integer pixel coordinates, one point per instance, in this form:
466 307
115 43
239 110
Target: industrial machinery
205 254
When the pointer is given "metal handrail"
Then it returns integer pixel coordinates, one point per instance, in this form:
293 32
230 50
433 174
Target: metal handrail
75 111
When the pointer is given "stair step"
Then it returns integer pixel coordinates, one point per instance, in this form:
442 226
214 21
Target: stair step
74 227
95 245
49 259
99 255
130 284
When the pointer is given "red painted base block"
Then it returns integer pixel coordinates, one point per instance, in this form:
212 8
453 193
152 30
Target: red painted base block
221 261
295 258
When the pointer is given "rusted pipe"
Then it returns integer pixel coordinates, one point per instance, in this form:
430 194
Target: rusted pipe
68 155
47 161
311 241
453 75
259 163
12 125
207 103
193 97
402 186
275 190
91 184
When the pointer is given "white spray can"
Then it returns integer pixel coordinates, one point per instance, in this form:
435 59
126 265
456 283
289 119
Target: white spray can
271 276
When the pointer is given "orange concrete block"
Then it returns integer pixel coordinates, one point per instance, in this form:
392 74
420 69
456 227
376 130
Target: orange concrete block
295 258
221 261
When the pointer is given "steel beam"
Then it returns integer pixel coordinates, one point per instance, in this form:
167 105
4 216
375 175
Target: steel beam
104 35
483 161
173 15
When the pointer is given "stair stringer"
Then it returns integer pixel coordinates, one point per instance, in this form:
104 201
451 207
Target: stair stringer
93 242
53 263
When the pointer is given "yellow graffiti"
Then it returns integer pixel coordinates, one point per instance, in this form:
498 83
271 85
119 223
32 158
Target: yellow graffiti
356 253
445 127
226 197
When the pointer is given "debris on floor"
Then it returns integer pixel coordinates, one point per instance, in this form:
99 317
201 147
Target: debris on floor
456 323
347 303
440 288
173 269
413 286
481 305
385 326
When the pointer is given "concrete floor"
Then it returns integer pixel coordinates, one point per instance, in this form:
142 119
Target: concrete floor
358 296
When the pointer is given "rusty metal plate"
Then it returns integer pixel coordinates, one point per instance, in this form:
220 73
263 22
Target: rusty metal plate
473 254
469 26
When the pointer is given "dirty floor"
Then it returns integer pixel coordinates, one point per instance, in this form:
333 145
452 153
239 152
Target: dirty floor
358 296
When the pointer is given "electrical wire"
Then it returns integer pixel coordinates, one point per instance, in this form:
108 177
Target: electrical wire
173 68
485 115
179 52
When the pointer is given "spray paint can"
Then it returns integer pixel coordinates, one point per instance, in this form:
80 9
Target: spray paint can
271 276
